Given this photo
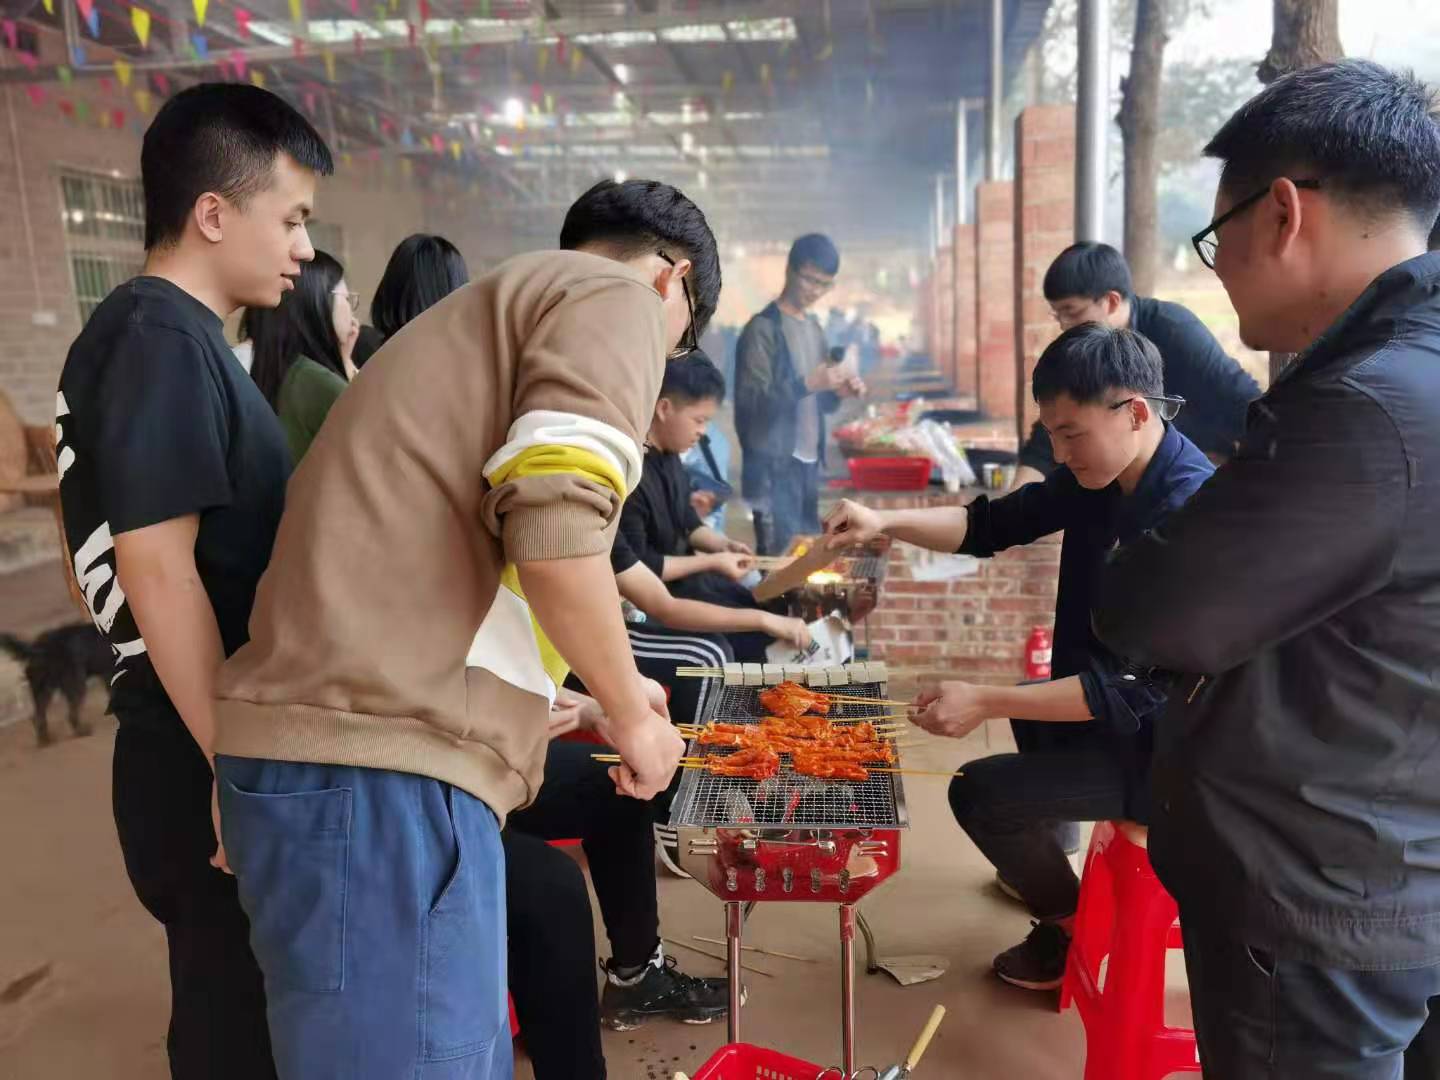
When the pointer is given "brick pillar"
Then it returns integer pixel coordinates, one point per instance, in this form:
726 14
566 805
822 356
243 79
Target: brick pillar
965 339
995 296
1044 226
943 352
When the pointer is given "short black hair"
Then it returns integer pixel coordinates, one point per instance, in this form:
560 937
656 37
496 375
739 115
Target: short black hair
817 250
422 271
1368 134
220 137
1088 269
693 378
637 216
1088 361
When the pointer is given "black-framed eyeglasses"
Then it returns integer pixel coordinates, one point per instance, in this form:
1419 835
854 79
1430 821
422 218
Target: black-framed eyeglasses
688 341
1167 407
1207 240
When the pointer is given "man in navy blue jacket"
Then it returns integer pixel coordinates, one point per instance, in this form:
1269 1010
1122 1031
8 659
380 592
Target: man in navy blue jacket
1085 736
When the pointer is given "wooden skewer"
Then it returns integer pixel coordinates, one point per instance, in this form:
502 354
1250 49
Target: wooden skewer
719 956
757 949
694 763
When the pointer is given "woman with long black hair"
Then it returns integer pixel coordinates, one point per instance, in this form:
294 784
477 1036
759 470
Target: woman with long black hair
422 271
301 358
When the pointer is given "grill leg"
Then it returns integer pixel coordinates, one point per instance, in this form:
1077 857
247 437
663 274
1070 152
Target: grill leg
734 929
847 988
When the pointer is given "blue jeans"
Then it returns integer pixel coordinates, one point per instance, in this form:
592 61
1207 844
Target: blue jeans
377 912
1260 1017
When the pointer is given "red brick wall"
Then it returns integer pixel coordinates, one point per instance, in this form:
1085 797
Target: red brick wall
1044 226
965 339
972 628
995 296
944 277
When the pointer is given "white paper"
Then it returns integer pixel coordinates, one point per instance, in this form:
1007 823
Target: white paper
830 644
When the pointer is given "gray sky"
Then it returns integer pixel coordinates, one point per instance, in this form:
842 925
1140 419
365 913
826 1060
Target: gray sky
1396 32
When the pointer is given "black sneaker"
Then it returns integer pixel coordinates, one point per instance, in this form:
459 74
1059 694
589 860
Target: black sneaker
1038 962
662 990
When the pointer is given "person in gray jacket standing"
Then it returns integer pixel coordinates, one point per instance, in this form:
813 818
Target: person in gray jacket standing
1296 776
784 388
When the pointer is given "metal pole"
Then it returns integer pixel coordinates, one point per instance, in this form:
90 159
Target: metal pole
1092 118
734 928
962 194
995 90
847 988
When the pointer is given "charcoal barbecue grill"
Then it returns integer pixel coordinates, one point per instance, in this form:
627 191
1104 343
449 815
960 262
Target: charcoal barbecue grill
853 596
792 838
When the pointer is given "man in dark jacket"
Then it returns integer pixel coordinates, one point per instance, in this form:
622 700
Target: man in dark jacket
1297 772
1085 735
1090 282
784 388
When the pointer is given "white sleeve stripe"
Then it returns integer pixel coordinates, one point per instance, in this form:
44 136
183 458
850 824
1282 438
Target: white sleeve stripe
549 428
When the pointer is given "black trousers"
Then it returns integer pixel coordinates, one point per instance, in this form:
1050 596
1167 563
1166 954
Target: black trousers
1259 1017
161 799
552 943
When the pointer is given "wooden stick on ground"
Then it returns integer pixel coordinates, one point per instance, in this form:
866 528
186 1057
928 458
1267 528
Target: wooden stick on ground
758 949
718 956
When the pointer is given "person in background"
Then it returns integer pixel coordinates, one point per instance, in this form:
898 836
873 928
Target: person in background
784 388
1085 736
422 271
301 358
1090 282
1296 771
173 472
441 565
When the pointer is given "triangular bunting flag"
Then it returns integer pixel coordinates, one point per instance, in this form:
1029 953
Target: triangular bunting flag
29 61
242 22
299 46
104 119
410 30
122 72
67 107
727 82
161 82
455 150
237 60
424 6
765 74
92 23
143 101
77 55
309 100
577 61
355 7
117 118
345 158
359 43
106 85
65 75
297 10
37 94
85 7
140 20
82 111
437 144
329 65
201 7
11 30
257 78
484 9
49 7
542 59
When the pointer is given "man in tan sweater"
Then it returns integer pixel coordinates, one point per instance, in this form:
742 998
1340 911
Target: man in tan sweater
445 544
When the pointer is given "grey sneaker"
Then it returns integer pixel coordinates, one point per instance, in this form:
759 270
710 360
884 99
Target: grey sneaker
1038 962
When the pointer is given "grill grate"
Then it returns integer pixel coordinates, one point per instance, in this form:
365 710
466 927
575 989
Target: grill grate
868 568
788 800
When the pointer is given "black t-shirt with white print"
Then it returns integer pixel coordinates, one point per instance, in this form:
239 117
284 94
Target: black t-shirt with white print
155 419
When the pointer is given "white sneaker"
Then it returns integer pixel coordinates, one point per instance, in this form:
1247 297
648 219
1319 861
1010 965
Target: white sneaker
667 849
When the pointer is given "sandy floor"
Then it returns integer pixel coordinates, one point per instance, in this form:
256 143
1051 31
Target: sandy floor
87 993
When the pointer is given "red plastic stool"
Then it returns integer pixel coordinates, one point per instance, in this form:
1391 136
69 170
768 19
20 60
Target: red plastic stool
1124 913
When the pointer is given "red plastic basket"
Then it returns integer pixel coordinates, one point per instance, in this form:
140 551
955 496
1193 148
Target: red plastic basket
890 473
741 1061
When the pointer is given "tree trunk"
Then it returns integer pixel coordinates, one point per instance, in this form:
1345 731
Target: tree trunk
1304 33
1139 121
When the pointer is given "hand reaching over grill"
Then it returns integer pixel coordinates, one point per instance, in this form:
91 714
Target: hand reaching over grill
952 709
732 564
650 750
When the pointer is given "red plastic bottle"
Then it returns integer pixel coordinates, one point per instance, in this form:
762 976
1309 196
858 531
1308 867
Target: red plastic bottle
1038 650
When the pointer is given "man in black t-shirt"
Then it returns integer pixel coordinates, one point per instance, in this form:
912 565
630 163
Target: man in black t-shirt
1090 282
172 481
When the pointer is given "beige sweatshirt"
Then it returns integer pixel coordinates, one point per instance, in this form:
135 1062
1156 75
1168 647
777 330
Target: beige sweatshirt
501 426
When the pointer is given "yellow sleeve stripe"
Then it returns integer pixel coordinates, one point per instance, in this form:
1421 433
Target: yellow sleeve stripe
555 460
550 659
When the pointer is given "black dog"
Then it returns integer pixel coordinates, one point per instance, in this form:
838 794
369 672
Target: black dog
61 660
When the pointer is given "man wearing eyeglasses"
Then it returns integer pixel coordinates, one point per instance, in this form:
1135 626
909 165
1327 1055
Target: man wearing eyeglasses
784 388
1085 736
1297 770
1090 282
